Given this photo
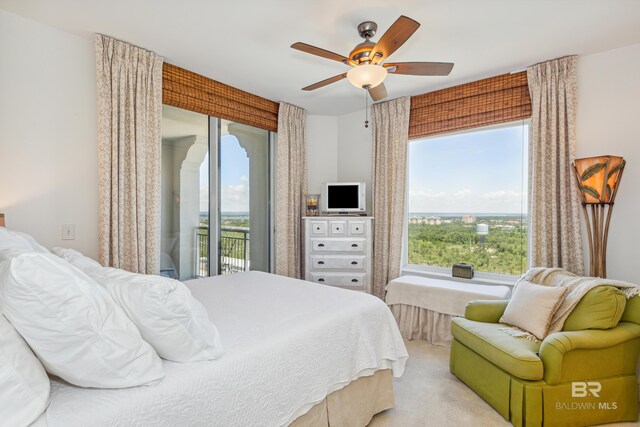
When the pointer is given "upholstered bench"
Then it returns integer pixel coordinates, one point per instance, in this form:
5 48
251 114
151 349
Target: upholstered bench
424 307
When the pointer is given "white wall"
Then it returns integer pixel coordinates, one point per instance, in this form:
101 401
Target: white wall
355 150
338 149
608 122
322 151
48 143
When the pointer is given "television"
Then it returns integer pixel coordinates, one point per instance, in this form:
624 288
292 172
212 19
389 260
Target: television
345 197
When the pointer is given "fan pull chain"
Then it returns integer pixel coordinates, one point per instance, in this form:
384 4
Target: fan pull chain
366 109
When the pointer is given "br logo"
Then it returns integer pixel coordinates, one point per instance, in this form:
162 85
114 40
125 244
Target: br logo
583 389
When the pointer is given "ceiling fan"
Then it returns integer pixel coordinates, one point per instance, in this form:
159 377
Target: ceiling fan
367 58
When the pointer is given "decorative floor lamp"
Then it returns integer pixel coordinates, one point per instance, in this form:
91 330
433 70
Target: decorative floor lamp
598 181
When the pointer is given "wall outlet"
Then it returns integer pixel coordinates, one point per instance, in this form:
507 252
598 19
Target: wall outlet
68 231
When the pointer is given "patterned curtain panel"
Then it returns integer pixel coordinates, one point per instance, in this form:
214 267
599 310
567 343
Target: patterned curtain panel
129 85
554 207
390 142
291 187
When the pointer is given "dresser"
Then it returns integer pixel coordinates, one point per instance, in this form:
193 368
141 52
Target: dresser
338 251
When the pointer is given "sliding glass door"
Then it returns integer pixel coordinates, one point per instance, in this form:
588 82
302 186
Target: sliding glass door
216 196
185 187
244 234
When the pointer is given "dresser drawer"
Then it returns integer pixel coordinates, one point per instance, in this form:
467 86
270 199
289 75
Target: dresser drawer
318 228
355 280
337 228
339 262
357 228
338 245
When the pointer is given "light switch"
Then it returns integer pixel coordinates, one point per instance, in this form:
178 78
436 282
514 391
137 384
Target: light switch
68 231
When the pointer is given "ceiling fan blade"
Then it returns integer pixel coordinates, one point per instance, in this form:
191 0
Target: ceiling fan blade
326 82
420 68
395 37
377 93
307 48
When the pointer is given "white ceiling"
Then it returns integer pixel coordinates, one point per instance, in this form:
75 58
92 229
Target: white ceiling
245 43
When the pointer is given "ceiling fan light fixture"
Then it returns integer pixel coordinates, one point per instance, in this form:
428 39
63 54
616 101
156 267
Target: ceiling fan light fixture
366 75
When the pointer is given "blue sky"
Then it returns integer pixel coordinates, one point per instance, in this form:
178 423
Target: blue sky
472 172
234 177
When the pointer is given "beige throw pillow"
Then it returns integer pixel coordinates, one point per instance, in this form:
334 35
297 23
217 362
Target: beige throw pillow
532 307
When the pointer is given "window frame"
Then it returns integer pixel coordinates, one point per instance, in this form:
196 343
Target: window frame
445 272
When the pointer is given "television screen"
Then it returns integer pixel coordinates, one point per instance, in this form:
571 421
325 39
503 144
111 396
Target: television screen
342 196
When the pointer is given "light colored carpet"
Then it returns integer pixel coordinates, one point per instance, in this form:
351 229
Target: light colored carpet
429 395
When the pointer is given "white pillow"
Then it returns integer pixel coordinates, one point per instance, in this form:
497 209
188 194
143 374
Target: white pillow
167 315
24 384
72 324
532 307
10 239
77 259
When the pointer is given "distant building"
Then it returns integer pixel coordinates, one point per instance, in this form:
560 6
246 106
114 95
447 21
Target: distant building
428 220
468 219
504 227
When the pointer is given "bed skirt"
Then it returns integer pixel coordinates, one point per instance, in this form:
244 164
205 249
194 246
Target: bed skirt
420 323
354 405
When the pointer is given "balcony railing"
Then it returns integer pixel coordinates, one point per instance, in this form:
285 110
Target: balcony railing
202 252
234 250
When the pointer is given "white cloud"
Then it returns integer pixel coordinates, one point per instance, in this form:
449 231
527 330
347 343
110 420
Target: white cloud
466 201
235 198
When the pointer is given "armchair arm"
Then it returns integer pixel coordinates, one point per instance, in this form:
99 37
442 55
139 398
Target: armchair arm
590 353
487 311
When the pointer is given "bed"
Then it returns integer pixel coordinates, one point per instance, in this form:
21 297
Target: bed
296 353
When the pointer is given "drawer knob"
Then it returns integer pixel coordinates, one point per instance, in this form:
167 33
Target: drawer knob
321 280
354 262
354 280
320 262
321 245
355 245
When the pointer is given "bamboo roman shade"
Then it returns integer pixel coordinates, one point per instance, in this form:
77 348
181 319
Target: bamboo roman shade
495 100
184 89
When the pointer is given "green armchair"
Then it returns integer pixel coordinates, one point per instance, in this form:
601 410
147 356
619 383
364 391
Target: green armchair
584 375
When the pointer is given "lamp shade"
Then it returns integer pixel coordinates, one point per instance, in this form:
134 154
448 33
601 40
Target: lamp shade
366 75
598 178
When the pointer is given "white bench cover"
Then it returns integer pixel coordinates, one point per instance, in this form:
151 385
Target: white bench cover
423 307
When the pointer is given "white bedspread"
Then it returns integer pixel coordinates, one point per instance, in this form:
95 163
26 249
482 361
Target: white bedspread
288 345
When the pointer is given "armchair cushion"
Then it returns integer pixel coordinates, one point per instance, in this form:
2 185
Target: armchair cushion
632 311
489 311
600 308
580 355
517 356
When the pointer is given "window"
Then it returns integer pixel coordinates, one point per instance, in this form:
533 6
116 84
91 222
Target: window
467 200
